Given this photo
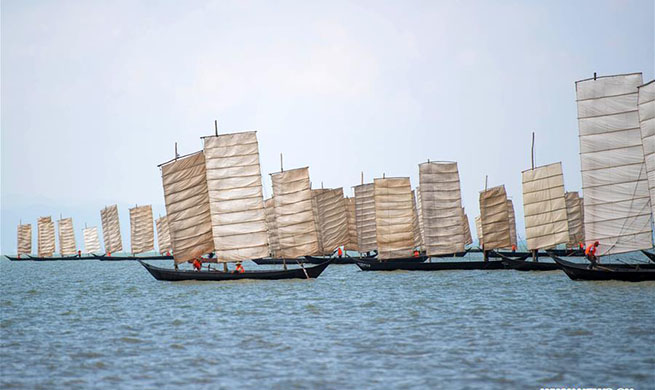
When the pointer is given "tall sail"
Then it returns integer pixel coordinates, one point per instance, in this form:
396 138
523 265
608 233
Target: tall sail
332 219
575 218
91 240
319 237
393 217
187 207
294 214
271 225
46 236
351 245
441 205
512 222
646 100
111 229
468 239
478 228
236 198
416 228
142 234
419 211
365 217
67 245
163 235
614 180
494 218
24 245
544 207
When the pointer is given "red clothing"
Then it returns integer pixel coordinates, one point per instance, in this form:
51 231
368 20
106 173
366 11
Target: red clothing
240 269
197 264
416 253
340 252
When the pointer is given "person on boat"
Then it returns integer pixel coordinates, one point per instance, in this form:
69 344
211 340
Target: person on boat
197 264
239 268
513 248
590 252
339 252
581 244
416 253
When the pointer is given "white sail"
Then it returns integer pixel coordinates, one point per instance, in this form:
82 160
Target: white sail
614 180
416 228
478 228
332 219
46 236
236 198
575 218
646 100
142 234
351 245
187 207
512 222
315 211
111 229
91 240
294 214
393 217
544 207
163 235
365 217
271 225
67 246
441 205
468 239
24 245
495 218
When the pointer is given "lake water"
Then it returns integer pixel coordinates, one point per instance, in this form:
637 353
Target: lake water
91 324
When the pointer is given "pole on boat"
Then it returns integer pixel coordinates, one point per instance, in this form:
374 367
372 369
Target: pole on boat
225 267
281 164
594 75
321 184
535 255
216 127
362 178
486 177
176 154
383 175
284 263
533 150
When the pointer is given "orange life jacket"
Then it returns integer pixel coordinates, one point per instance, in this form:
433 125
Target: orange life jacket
196 264
240 269
591 250
340 252
513 248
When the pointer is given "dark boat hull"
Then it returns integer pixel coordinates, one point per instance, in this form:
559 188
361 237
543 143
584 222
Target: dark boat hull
276 261
171 275
650 256
523 265
621 272
335 260
59 258
556 252
16 258
430 266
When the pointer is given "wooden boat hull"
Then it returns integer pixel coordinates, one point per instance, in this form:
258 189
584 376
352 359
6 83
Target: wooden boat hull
132 258
433 266
16 258
622 272
524 265
557 252
59 258
276 261
172 275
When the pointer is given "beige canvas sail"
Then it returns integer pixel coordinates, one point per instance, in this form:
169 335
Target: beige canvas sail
512 222
614 180
365 217
271 225
46 236
544 207
494 218
393 217
91 240
441 205
332 219
478 228
142 234
24 245
187 207
236 198
416 228
646 101
468 239
163 235
419 211
575 218
294 213
67 246
111 229
319 237
352 244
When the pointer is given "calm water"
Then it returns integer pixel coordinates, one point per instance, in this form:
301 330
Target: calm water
90 324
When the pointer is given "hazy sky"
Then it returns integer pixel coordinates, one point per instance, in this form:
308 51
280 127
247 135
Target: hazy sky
95 94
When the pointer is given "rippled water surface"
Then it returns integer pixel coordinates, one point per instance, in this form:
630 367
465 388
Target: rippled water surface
91 324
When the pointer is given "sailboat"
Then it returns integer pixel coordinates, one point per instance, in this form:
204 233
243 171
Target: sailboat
91 240
214 204
46 241
614 114
24 242
332 224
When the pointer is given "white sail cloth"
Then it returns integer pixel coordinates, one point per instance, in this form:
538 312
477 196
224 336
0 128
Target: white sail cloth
91 240
332 219
187 207
478 228
67 246
111 229
46 236
24 245
365 217
614 181
494 218
646 100
294 213
393 217
142 234
163 235
351 244
319 238
512 222
271 225
419 211
575 218
544 207
468 239
441 205
416 228
236 198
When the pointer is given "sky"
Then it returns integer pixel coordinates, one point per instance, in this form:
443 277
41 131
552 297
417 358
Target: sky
94 94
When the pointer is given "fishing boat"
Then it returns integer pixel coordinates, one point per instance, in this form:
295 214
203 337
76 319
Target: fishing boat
214 204
24 242
623 272
418 264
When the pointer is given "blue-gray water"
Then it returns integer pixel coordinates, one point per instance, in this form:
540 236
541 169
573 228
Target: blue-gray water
91 324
